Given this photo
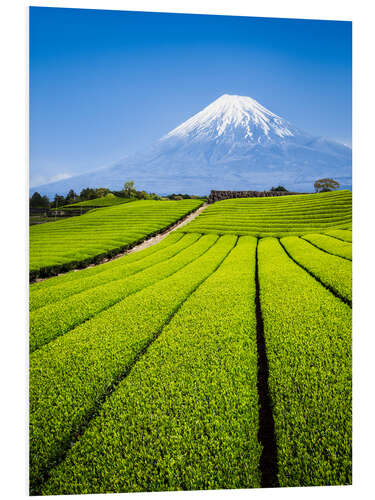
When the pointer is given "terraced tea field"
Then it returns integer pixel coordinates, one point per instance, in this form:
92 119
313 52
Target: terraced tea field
105 201
279 216
210 360
102 232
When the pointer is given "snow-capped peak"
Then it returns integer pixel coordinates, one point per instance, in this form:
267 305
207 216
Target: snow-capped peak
234 143
235 117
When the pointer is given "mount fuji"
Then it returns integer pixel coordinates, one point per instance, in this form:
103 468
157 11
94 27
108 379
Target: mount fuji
233 144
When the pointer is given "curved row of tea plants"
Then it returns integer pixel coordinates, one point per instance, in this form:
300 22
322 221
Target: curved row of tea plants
279 216
334 272
186 417
78 274
144 373
55 319
69 376
118 269
308 339
102 232
330 245
340 234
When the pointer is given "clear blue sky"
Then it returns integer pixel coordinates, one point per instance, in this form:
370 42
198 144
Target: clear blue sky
104 84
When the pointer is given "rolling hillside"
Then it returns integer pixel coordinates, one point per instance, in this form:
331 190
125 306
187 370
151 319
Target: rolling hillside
206 361
78 241
105 201
279 216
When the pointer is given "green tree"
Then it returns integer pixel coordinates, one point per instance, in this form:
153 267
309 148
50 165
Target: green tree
154 196
141 195
71 196
46 202
87 194
36 201
100 192
129 189
278 188
324 185
58 201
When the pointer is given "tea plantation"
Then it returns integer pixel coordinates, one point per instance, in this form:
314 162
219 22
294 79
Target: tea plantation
218 358
279 216
102 232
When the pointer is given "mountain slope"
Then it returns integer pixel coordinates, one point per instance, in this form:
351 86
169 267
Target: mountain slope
234 143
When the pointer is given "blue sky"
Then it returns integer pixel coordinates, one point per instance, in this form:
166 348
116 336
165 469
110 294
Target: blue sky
104 84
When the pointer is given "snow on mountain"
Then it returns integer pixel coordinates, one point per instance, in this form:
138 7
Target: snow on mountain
234 143
235 117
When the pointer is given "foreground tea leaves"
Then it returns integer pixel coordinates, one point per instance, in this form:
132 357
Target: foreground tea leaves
70 375
308 340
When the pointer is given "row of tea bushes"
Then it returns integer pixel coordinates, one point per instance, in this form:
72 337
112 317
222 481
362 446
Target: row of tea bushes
121 268
330 245
280 216
48 323
344 235
103 232
308 339
81 274
334 272
186 417
68 377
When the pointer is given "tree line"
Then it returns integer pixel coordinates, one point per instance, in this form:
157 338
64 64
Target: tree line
320 186
39 201
128 191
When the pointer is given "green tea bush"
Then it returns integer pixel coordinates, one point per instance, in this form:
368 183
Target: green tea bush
308 340
93 271
195 394
55 319
70 375
344 235
334 272
330 245
120 271
278 216
143 371
102 232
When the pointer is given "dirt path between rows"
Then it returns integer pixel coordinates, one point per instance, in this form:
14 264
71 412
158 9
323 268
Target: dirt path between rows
145 244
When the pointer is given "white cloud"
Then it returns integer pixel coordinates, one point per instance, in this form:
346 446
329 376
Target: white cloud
39 180
345 141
